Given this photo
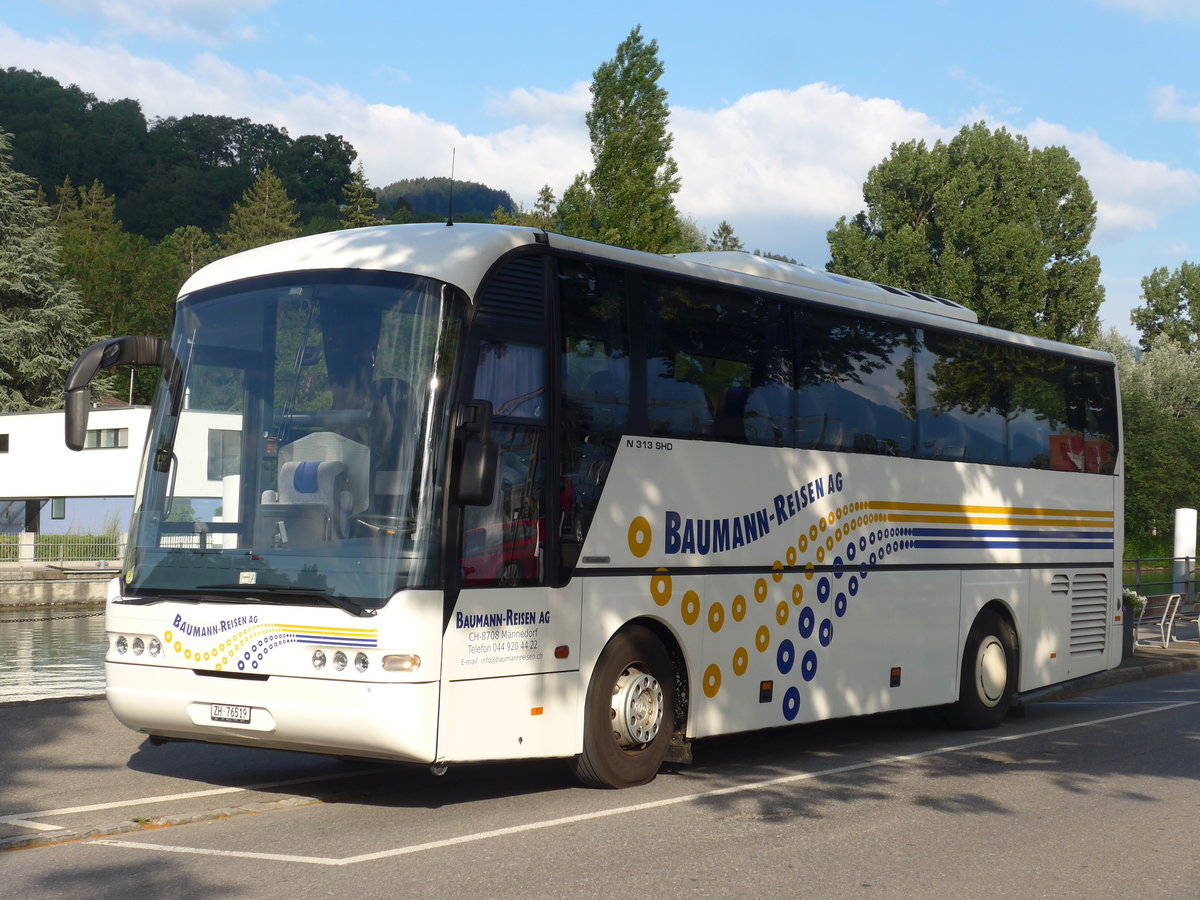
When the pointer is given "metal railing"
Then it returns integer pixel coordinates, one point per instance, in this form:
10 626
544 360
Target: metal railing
1167 575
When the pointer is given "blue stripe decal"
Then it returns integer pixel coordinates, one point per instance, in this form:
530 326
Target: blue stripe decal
1019 544
1009 532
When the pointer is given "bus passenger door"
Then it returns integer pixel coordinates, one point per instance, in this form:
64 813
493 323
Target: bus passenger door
510 660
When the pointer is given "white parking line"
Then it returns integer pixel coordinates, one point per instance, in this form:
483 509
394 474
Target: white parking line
26 819
636 807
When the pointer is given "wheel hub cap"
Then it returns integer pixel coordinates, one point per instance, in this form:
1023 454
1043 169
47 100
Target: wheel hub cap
637 708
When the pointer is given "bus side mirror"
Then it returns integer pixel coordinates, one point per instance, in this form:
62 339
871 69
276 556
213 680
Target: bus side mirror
122 351
480 457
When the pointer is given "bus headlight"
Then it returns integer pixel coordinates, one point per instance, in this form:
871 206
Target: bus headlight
318 659
122 644
154 647
139 646
401 662
361 662
339 660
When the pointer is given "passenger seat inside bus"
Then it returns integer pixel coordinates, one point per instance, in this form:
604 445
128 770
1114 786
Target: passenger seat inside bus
312 505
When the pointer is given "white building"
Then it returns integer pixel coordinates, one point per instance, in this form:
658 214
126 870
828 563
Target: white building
46 488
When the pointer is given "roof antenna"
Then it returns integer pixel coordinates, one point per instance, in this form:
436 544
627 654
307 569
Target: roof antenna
450 202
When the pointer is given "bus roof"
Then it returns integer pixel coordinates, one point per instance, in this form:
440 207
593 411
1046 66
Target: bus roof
463 255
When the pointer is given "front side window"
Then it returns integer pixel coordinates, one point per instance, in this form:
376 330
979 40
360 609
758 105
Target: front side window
298 442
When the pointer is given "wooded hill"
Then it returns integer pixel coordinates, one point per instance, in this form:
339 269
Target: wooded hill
174 172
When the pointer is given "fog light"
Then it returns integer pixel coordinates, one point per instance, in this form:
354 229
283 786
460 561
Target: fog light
318 659
138 646
339 660
401 662
361 662
154 647
122 644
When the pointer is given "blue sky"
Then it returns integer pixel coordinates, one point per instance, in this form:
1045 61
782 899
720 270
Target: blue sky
779 109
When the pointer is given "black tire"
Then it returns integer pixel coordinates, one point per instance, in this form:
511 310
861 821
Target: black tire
989 673
629 715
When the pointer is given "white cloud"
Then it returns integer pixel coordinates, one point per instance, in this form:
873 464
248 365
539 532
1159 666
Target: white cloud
1168 105
206 21
1131 194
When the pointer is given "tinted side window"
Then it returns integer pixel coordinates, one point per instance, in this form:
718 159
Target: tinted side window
855 384
1038 386
961 399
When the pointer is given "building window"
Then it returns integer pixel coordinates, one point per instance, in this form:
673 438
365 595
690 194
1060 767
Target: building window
224 453
106 438
58 507
3 443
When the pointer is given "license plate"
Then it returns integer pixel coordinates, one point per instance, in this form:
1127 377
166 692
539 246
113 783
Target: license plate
222 713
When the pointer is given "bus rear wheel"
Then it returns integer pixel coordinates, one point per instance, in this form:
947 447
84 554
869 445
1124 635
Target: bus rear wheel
989 673
630 712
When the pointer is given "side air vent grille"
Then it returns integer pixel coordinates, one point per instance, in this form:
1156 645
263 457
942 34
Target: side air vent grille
1089 613
515 292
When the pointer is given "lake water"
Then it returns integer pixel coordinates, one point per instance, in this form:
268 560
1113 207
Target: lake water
48 653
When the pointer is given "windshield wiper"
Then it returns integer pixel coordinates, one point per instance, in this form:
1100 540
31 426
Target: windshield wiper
283 590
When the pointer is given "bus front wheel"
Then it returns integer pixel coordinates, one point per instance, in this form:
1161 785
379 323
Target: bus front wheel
630 712
989 673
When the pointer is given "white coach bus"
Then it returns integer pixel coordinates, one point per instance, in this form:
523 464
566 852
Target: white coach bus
489 493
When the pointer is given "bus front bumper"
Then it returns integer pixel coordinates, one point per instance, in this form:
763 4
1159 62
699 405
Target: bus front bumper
342 718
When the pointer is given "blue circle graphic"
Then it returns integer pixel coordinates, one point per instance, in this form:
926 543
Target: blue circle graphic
785 658
808 621
808 665
839 605
825 635
791 703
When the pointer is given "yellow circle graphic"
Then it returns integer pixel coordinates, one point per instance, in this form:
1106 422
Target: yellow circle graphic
829 543
690 608
660 588
739 608
762 638
832 518
712 680
797 594
777 571
178 646
740 660
781 612
812 533
838 534
791 556
820 554
821 524
808 570
803 543
716 617
167 637
639 537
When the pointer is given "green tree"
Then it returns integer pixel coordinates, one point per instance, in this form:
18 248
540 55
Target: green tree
628 197
43 322
543 215
724 238
360 206
765 254
192 248
1161 437
126 282
986 221
264 215
1172 306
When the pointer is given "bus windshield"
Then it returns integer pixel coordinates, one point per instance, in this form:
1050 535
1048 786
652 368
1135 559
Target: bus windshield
297 444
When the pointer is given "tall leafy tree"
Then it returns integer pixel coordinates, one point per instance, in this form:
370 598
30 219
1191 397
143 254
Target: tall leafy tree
1172 306
264 215
192 248
628 198
43 322
359 205
984 220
